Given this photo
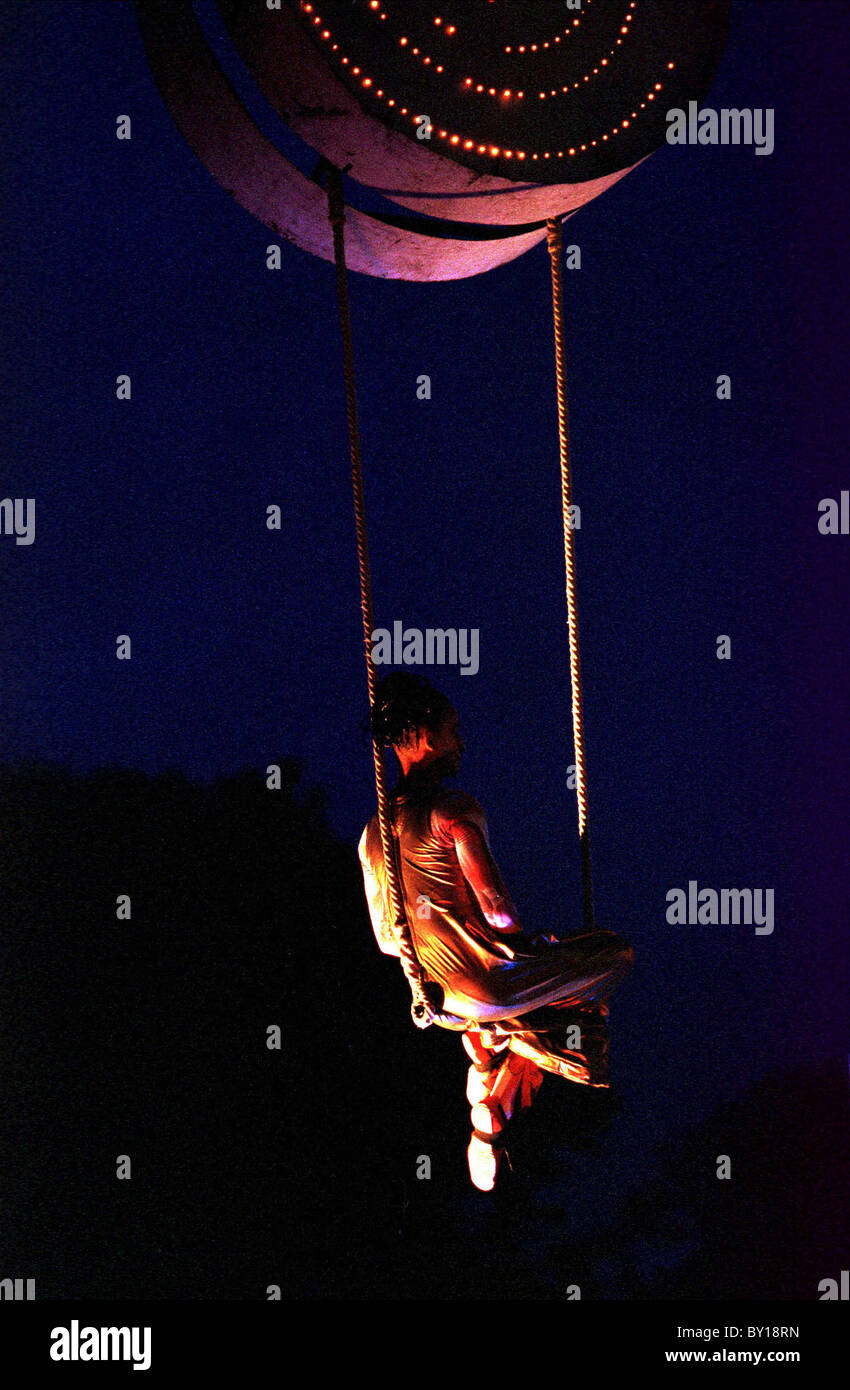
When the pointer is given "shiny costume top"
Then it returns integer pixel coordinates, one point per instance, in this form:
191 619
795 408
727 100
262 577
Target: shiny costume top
464 929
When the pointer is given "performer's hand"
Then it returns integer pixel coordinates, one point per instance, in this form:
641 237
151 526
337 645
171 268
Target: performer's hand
425 1005
422 1013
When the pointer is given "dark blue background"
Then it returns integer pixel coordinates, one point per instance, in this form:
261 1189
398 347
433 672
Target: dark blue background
699 517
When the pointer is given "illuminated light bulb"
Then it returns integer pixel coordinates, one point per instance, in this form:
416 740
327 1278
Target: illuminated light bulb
584 147
416 51
619 41
373 4
534 156
545 45
482 149
546 155
494 149
438 20
317 19
650 96
345 60
658 86
307 9
542 96
506 92
468 82
520 95
554 93
534 48
479 88
402 42
367 81
451 29
596 71
439 67
326 33
522 48
624 30
509 154
356 72
468 144
671 65
492 91
426 59
379 92
391 101
572 151
455 140
604 137
604 62
593 142
404 110
625 123
508 48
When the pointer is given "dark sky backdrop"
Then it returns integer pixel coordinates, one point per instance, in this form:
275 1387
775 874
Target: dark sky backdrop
698 516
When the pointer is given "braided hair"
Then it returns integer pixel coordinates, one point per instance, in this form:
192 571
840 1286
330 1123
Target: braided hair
405 702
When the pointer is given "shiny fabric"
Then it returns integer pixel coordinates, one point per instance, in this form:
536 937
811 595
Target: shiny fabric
464 927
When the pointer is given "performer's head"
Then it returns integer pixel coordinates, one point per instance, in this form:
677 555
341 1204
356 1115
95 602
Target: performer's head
418 722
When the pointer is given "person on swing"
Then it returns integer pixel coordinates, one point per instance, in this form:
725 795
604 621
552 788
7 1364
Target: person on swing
532 1005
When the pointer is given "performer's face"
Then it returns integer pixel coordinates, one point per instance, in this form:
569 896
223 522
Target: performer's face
447 745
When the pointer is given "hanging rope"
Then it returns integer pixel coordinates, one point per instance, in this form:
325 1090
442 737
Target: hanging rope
553 234
423 1014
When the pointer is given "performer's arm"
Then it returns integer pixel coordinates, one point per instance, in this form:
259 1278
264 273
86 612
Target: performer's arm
481 873
381 924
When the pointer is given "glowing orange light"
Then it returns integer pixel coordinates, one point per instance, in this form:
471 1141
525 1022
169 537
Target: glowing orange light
494 149
450 29
468 144
402 42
